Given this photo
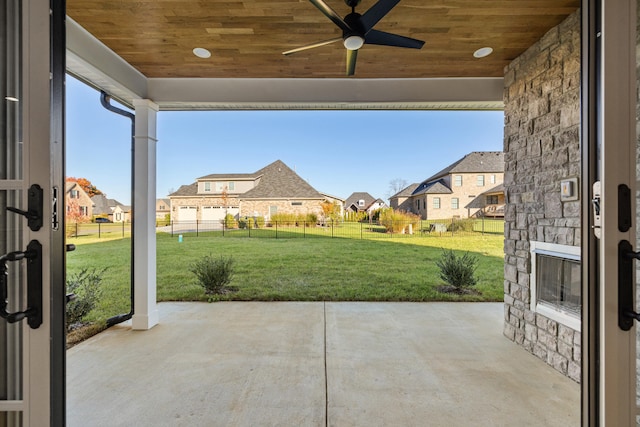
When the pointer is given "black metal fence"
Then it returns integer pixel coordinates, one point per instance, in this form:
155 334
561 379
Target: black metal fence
336 229
98 229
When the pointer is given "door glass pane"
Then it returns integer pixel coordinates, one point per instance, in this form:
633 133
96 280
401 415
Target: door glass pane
10 195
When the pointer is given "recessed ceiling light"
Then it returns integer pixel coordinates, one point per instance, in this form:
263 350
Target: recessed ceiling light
11 98
482 52
201 52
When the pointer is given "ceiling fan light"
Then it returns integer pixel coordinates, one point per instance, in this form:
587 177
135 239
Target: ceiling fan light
201 52
353 42
482 52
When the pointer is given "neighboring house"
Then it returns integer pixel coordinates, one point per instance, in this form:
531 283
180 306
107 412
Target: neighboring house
459 190
78 202
363 202
163 208
110 208
273 189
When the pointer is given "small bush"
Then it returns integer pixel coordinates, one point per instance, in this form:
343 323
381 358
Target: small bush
260 222
230 221
457 271
213 274
461 225
85 285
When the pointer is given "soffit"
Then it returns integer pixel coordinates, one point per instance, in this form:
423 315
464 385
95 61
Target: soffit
155 38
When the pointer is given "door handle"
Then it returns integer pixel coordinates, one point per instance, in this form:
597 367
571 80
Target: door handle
34 211
33 312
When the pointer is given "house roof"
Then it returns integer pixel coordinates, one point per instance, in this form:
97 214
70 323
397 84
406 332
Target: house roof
165 201
355 197
406 192
498 189
274 181
434 187
477 161
277 181
102 205
227 176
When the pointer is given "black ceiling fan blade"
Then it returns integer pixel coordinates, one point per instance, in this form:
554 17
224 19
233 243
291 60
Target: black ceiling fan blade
352 55
331 14
388 39
313 45
377 12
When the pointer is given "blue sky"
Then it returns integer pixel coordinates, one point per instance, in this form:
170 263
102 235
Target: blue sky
337 152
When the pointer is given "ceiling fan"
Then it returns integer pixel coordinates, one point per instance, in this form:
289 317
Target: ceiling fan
357 30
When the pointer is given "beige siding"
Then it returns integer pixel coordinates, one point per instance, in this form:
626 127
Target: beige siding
466 193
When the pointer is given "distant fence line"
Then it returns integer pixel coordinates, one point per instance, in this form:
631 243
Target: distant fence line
337 229
301 229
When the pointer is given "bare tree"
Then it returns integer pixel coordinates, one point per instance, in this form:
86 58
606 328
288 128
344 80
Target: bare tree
396 185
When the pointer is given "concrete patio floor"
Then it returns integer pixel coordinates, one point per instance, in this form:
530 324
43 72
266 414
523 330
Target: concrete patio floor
316 364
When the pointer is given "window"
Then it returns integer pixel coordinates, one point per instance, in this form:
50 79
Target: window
492 179
74 194
296 203
207 186
84 211
232 186
492 200
273 210
436 203
480 180
455 203
457 180
361 202
555 282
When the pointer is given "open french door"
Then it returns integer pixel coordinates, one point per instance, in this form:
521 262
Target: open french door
32 288
610 212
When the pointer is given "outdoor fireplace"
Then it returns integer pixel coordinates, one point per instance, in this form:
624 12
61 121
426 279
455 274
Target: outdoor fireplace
556 282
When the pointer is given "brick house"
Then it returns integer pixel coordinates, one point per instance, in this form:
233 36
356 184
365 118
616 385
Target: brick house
463 189
363 202
273 189
163 208
78 202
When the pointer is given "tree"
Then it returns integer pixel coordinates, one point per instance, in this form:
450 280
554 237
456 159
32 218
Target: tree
86 185
331 210
396 185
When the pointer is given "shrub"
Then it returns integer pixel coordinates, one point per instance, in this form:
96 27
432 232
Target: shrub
244 222
260 222
396 221
230 221
85 285
457 271
213 274
461 224
284 219
311 219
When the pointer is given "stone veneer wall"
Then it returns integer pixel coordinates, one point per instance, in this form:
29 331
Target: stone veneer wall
541 144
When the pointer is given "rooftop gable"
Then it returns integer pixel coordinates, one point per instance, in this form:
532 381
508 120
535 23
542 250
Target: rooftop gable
474 162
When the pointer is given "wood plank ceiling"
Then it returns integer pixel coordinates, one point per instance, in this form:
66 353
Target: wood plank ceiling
247 37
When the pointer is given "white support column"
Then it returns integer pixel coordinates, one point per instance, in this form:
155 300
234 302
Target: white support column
144 216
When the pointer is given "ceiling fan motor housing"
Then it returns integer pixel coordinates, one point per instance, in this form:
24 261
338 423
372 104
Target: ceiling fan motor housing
352 3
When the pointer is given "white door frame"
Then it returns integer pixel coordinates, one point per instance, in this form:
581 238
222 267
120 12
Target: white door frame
609 155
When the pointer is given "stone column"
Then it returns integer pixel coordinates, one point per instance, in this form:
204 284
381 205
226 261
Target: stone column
144 232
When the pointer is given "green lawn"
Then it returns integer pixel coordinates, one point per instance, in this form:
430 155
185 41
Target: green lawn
296 269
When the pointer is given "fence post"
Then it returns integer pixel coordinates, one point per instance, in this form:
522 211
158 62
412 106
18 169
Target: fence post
76 229
99 229
360 231
197 228
304 229
332 228
224 225
276 229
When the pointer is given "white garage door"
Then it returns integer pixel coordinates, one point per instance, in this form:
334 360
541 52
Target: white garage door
212 213
187 213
